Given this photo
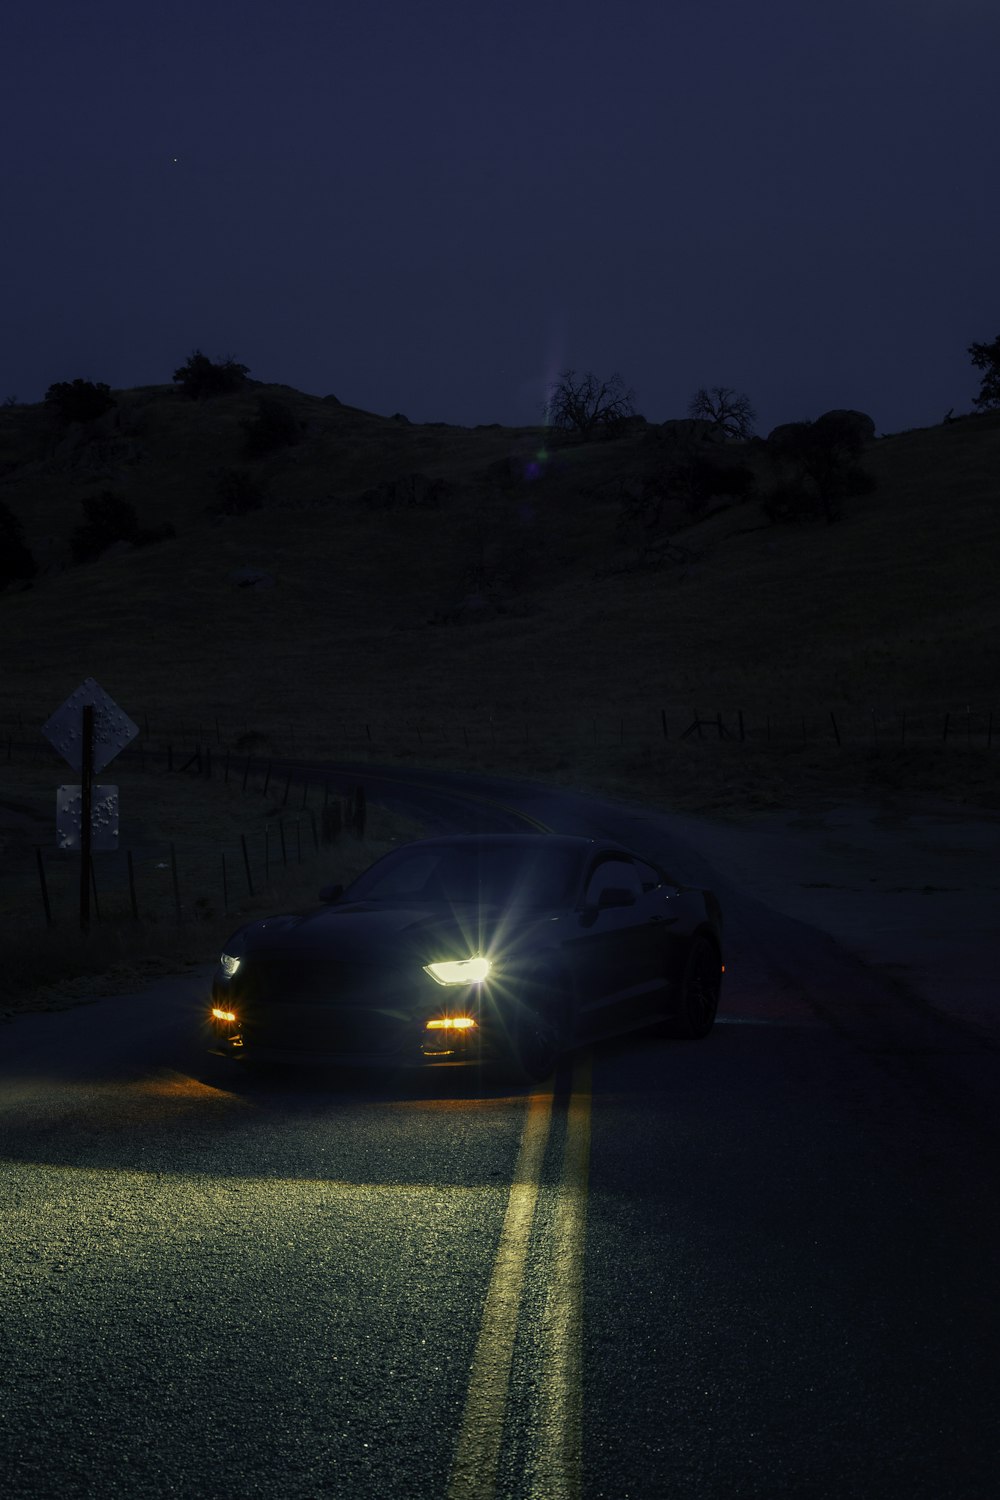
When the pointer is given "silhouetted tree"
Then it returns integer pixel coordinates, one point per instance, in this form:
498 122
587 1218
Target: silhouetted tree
199 377
16 562
824 452
590 406
79 400
274 426
726 408
644 518
986 357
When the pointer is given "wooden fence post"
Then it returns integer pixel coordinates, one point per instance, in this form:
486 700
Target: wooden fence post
246 862
176 882
284 851
836 731
45 889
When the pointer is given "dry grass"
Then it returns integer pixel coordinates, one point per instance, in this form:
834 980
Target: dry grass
49 966
893 610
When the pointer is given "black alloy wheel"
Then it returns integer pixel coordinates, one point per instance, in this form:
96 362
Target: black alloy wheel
698 996
540 1032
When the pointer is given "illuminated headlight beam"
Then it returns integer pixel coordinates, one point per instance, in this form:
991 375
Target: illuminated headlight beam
460 971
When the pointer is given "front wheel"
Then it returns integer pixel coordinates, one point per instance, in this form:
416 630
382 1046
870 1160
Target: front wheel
698 995
540 1031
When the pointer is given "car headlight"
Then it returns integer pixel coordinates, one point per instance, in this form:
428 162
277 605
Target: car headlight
230 963
459 971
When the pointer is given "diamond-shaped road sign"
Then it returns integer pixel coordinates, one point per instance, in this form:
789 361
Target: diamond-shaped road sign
113 729
103 818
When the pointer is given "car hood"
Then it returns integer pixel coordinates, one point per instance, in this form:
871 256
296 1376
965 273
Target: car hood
359 931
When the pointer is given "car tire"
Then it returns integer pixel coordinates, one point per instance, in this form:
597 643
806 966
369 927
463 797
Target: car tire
698 994
540 1033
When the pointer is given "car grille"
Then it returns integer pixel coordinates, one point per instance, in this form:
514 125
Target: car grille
330 1006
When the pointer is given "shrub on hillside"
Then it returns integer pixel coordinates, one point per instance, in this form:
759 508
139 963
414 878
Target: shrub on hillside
698 483
79 400
200 377
110 519
237 492
16 562
274 426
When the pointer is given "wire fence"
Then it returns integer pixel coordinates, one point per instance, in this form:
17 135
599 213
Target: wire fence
220 741
144 883
157 880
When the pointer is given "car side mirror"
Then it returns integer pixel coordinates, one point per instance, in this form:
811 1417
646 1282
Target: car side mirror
331 892
615 895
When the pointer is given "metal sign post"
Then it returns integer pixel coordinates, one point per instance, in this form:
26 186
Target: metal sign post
86 788
89 729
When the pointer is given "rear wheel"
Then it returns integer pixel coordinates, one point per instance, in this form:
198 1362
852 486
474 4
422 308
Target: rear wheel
698 996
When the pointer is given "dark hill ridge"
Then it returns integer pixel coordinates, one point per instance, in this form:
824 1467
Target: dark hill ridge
441 574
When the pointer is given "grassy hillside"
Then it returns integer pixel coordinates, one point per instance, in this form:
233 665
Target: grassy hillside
501 620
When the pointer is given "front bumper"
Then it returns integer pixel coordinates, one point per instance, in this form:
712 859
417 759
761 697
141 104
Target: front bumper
347 1036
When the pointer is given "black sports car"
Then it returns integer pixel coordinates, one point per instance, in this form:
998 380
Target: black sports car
504 949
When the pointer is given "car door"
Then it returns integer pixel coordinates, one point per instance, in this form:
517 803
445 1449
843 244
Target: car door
608 951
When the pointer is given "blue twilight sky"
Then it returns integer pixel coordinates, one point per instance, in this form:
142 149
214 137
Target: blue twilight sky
434 207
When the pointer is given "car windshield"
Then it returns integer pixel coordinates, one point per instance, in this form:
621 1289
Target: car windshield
500 875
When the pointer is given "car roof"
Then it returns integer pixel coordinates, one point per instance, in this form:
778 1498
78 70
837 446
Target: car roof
572 841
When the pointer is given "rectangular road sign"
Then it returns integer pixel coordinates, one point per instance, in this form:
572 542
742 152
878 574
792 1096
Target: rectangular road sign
113 729
103 818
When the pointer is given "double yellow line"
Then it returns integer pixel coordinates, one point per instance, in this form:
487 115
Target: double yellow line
556 1468
557 1419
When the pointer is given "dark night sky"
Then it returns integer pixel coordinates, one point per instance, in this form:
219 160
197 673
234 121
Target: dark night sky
432 207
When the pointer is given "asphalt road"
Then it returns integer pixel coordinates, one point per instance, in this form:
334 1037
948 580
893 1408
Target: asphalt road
762 1265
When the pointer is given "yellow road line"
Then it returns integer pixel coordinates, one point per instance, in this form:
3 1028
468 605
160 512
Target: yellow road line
473 1474
557 1468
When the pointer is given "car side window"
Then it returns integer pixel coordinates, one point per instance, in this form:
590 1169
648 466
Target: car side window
649 876
612 872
